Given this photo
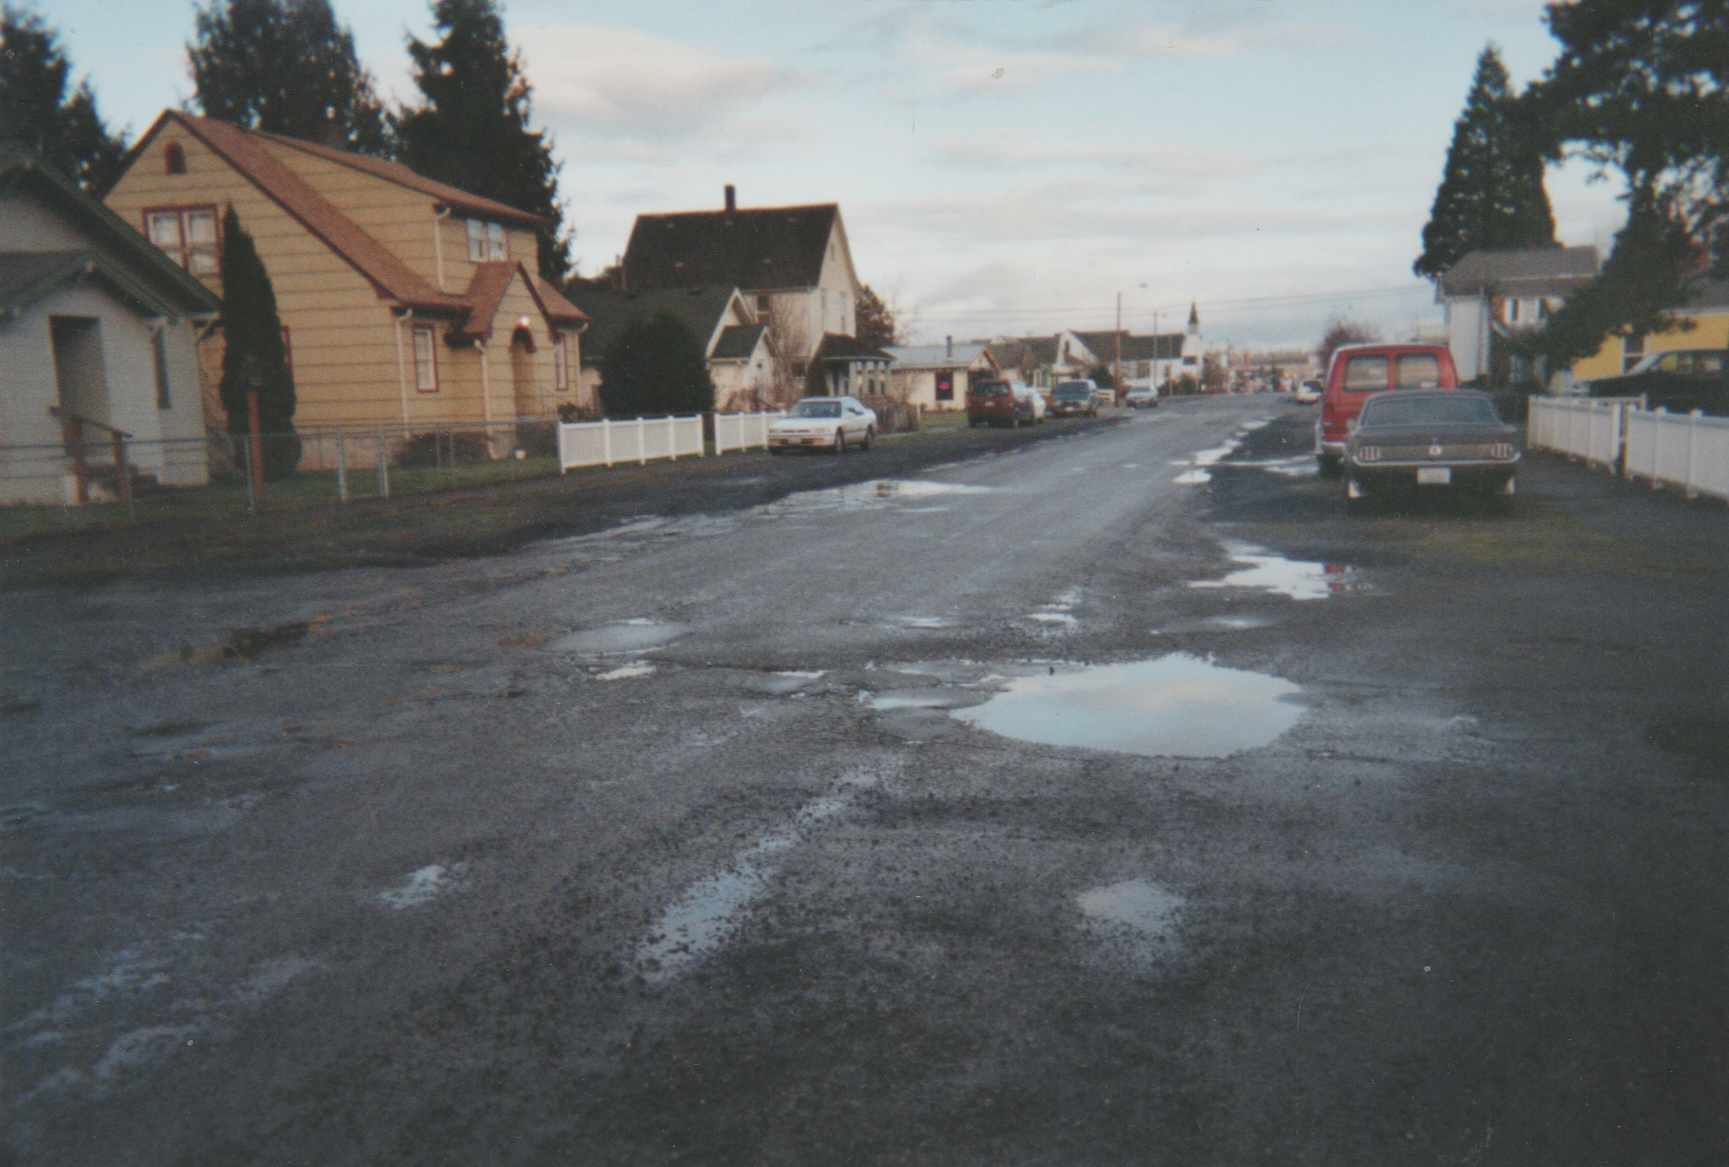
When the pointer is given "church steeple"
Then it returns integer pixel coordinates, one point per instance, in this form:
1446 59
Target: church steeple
1194 317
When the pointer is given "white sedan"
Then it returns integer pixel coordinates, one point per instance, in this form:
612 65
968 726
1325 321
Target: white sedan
825 423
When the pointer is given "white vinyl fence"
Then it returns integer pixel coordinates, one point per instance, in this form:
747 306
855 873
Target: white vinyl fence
740 431
1687 450
602 443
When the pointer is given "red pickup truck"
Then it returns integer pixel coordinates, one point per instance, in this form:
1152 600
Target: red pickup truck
1361 369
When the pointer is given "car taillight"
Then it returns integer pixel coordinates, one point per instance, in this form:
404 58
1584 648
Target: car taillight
1503 450
1368 453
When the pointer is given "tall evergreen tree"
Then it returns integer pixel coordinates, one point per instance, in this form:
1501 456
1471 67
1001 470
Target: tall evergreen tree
285 66
1491 195
876 324
254 353
655 367
36 112
471 129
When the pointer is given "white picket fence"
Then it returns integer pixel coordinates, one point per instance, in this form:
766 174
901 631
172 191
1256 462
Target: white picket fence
1687 450
604 443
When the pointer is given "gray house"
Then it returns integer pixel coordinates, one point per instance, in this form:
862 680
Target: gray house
98 332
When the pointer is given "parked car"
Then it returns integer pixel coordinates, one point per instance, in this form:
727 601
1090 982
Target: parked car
1307 392
1000 403
1074 397
1359 370
1424 440
1142 397
1103 396
824 423
1680 381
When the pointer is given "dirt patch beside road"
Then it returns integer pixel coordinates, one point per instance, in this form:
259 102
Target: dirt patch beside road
427 528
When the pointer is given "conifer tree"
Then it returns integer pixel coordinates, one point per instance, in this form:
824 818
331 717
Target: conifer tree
1491 195
876 324
1642 86
36 112
254 349
471 128
655 367
285 66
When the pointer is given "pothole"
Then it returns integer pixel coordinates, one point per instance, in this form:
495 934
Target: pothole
1172 706
1299 579
618 637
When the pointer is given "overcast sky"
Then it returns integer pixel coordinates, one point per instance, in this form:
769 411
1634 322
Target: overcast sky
1002 166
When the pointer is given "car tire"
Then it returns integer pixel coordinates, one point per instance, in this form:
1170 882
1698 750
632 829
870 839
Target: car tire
839 446
1328 464
869 435
777 451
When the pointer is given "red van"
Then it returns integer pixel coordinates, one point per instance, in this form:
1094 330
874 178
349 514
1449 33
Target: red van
1361 369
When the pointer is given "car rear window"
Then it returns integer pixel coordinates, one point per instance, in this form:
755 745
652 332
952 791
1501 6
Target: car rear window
989 389
1448 410
1417 371
1366 373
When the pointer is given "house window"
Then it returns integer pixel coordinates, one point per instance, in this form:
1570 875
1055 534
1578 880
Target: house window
485 240
425 359
174 158
945 385
186 233
159 350
1632 348
560 378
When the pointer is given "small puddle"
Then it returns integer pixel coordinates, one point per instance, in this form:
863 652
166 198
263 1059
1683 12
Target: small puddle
625 672
1174 706
1148 909
1297 578
622 636
423 886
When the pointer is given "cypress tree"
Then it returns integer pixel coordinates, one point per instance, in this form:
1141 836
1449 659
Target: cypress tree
253 347
285 66
655 367
1491 195
38 114
471 128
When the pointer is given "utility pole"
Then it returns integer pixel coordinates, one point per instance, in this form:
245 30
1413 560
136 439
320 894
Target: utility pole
1117 363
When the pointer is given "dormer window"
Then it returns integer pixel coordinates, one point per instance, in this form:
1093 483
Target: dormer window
174 158
485 240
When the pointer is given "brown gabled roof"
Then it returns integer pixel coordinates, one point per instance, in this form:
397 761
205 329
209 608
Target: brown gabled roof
443 193
486 292
760 249
389 276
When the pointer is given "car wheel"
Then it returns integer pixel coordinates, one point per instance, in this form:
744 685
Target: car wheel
1328 465
840 442
869 435
776 451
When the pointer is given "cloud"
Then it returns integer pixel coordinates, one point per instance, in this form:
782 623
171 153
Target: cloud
628 84
1167 158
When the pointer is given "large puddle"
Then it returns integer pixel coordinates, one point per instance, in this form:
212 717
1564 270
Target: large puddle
869 495
1174 706
1297 578
623 636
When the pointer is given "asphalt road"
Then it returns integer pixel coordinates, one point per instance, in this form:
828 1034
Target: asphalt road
1110 798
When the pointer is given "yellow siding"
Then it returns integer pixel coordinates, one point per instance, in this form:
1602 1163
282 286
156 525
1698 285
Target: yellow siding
1711 330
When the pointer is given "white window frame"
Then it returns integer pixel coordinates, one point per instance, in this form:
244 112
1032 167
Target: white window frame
560 366
425 345
486 241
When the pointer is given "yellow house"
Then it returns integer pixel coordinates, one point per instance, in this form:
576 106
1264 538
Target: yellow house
1709 315
406 303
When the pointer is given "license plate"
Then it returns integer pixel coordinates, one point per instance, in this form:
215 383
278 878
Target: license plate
1434 475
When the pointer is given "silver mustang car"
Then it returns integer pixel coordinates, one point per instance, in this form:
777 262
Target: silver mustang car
824 423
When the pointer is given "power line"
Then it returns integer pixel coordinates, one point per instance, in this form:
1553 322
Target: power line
1244 301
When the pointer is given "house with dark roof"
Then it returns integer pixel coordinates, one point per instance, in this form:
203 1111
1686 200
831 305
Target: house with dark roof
937 376
1031 359
1154 360
405 302
742 359
792 264
98 337
846 366
1489 297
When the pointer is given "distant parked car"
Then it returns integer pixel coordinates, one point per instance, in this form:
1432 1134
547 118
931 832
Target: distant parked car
1000 403
1308 392
1680 381
1359 370
1074 397
831 423
1441 439
1142 397
1103 396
